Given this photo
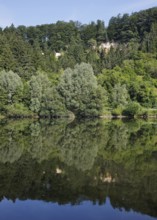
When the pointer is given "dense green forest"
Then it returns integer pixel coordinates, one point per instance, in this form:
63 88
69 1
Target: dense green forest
69 68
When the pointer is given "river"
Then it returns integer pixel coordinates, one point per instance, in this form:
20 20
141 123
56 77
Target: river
81 170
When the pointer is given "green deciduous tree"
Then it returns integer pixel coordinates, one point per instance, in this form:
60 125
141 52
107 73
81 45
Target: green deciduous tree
35 93
44 99
11 84
119 95
79 88
132 109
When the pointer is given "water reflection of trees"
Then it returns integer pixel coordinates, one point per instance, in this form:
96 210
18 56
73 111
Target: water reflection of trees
79 145
65 163
76 144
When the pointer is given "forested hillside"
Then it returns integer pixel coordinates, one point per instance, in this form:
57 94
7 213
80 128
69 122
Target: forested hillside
87 69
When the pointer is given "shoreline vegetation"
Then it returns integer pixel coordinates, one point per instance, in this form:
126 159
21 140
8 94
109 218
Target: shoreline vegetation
69 69
72 117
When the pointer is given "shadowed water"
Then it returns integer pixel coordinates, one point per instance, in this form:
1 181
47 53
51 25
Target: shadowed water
93 169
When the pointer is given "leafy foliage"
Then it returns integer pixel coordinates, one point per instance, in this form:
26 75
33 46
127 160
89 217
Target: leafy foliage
80 90
132 109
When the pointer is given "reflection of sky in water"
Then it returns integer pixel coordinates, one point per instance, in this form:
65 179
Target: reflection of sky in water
39 210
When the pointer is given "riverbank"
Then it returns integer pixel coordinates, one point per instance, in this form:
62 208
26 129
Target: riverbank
72 117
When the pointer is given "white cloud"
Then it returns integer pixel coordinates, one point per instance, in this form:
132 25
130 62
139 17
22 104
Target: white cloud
6 18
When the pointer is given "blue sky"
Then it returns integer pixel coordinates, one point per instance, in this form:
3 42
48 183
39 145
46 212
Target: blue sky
34 12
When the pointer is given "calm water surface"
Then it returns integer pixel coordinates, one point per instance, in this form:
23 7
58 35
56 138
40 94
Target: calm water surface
88 170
